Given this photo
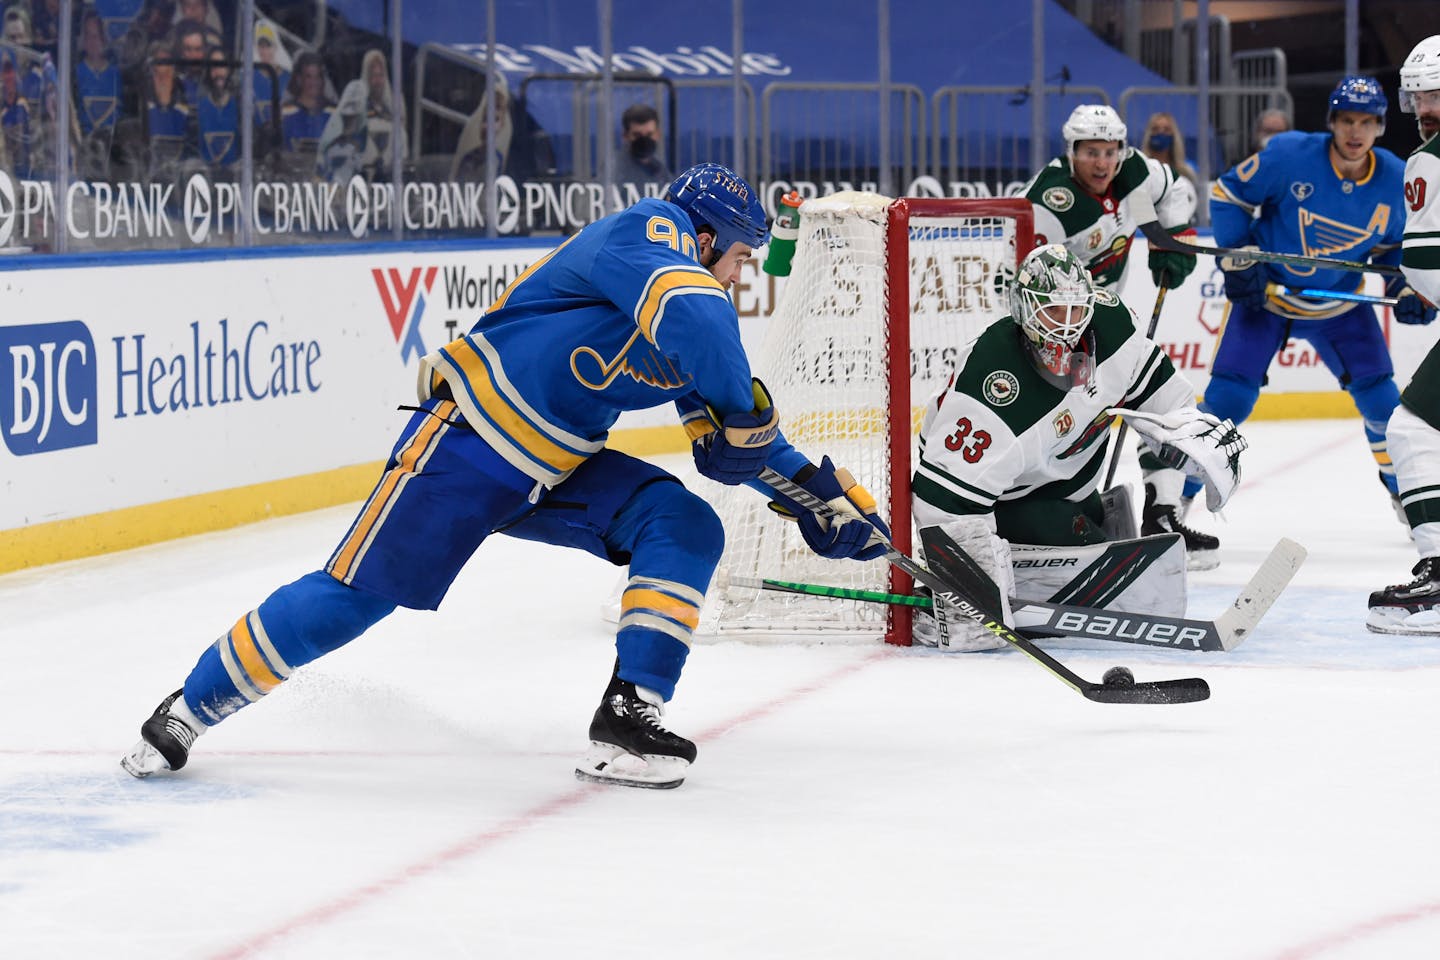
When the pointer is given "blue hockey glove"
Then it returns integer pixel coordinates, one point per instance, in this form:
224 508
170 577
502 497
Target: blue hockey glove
1169 268
1411 307
1244 281
848 536
733 449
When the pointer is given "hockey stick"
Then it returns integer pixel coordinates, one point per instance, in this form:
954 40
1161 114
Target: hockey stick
1336 295
1222 634
943 588
1120 436
1143 210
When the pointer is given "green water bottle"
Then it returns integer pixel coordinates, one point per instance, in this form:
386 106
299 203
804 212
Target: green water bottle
783 234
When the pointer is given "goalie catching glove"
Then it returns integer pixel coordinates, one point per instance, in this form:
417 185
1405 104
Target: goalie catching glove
733 449
851 535
1202 445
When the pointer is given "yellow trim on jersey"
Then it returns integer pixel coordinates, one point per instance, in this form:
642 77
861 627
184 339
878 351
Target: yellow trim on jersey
500 300
503 414
1219 192
410 462
1361 181
666 283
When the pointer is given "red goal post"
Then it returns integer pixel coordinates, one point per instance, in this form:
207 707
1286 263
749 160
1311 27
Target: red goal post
882 295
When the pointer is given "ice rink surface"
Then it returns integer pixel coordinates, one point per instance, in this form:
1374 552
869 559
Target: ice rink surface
412 794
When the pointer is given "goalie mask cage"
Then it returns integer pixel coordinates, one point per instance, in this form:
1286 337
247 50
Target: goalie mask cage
882 296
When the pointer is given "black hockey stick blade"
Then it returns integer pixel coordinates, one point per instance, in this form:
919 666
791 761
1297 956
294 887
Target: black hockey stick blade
1154 691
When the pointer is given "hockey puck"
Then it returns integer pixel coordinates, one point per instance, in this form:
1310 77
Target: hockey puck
1119 677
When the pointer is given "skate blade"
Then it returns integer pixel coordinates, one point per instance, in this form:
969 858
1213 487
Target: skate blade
1401 622
143 760
1202 559
607 763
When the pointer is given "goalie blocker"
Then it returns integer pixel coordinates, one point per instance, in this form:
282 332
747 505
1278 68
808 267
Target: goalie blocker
1145 575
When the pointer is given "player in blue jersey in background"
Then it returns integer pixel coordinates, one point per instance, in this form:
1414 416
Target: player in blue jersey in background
630 313
1333 195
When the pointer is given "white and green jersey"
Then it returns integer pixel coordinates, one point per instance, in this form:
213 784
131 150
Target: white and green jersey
1001 430
1421 257
1098 230
1421 263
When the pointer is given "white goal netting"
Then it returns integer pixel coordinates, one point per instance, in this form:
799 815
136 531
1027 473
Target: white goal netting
828 358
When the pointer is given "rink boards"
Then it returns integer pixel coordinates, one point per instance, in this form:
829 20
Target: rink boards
145 398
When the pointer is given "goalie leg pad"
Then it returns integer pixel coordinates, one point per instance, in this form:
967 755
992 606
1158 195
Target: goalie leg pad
1146 575
954 631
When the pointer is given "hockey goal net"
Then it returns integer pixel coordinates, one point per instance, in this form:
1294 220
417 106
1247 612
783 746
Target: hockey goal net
881 296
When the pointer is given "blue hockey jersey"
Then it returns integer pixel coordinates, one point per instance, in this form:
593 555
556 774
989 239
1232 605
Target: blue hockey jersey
1289 198
619 317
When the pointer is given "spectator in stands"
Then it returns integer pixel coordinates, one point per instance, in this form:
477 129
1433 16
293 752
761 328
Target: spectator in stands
357 138
97 78
152 26
169 122
272 70
97 98
45 26
203 14
17 26
1163 141
15 124
191 42
118 16
218 117
1269 123
305 115
641 158
522 149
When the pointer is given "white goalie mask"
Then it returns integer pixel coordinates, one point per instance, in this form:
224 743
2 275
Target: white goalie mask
1052 299
1420 73
1093 121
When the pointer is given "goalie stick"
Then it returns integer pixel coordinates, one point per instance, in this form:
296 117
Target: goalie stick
949 590
1120 435
1143 210
1223 634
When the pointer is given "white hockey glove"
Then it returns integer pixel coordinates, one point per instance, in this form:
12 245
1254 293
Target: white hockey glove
1201 444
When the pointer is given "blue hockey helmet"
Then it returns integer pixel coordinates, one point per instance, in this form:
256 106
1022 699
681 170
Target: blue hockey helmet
1361 95
717 197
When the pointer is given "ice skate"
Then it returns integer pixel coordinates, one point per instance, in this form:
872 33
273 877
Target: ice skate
1409 608
628 745
1202 551
166 738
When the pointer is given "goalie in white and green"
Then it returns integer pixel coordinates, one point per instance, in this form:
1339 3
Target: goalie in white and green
1013 450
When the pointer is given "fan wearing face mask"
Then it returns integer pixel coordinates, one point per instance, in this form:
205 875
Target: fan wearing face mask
641 157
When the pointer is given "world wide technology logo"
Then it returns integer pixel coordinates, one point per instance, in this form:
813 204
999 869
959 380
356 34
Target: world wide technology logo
403 296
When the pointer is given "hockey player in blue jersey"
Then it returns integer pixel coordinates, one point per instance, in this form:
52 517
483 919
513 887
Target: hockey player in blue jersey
1332 195
630 313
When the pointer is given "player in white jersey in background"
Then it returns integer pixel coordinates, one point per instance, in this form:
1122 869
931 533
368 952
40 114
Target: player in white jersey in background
1414 429
1079 201
1016 444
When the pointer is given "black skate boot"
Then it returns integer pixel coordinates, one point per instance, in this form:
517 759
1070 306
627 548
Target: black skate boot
1409 608
1202 551
165 739
628 746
